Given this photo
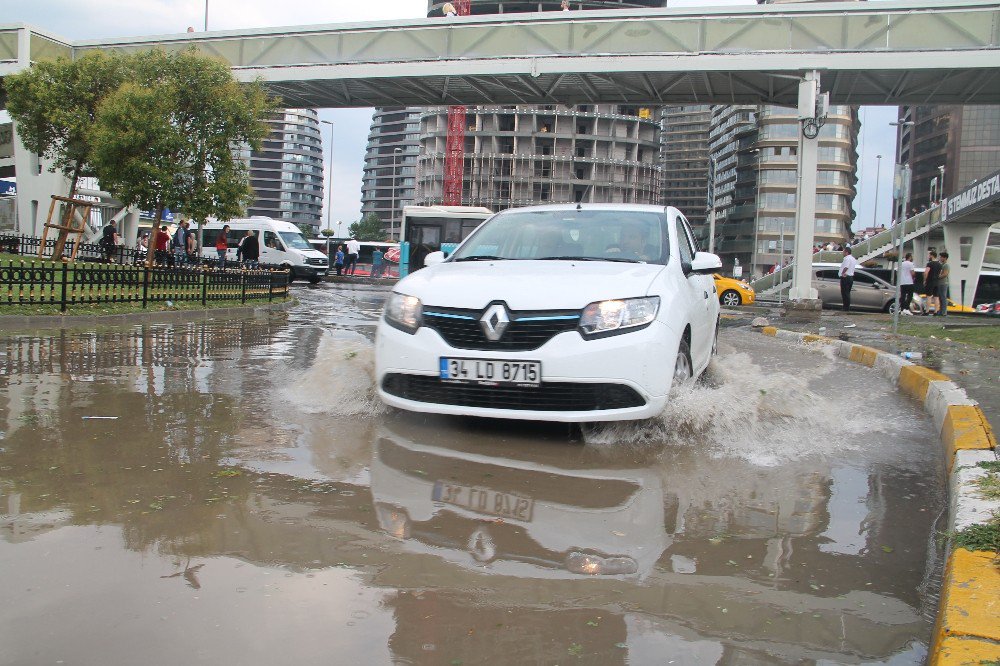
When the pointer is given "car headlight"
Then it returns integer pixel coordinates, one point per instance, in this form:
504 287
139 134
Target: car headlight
404 312
618 316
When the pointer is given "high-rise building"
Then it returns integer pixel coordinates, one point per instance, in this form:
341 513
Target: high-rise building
685 161
515 156
962 143
287 172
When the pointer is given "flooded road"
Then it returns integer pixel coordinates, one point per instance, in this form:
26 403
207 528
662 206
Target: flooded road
246 499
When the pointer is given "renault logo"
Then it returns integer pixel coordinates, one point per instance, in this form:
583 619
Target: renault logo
495 321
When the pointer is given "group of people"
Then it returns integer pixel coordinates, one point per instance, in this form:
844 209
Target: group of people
346 264
247 248
936 274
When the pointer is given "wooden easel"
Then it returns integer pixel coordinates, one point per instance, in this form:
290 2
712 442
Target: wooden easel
72 223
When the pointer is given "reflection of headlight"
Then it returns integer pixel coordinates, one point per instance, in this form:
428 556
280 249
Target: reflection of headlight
610 317
404 312
595 565
393 520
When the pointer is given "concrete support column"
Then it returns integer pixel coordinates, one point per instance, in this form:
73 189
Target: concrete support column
966 245
129 228
35 187
805 197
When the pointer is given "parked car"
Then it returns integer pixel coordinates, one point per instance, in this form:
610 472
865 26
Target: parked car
733 292
281 244
574 313
869 292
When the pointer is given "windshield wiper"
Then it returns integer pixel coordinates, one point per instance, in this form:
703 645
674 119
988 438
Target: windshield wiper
481 257
565 258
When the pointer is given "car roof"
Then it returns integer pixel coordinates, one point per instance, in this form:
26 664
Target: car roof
644 208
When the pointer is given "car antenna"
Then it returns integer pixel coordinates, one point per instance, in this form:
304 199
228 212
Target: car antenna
579 204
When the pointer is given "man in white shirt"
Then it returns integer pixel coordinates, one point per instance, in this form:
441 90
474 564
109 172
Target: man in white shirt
353 249
847 267
906 283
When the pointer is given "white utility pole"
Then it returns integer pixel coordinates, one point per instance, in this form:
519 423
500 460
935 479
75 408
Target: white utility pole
812 113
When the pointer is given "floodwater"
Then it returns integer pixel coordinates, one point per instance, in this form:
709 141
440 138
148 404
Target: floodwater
246 499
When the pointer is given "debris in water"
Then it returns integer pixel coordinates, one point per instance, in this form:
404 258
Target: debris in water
100 418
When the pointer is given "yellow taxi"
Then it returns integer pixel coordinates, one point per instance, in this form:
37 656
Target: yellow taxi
733 292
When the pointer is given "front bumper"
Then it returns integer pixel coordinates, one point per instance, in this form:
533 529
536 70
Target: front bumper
640 362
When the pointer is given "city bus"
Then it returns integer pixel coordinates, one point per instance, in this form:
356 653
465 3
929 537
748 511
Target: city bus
427 228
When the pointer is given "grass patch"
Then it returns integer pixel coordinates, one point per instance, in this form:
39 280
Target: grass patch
979 336
989 465
989 486
979 537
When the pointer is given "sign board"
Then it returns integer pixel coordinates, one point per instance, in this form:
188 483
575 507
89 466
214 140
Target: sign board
168 216
975 196
8 188
737 272
6 140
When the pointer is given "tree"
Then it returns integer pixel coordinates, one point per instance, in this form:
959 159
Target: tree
54 104
326 232
369 228
169 138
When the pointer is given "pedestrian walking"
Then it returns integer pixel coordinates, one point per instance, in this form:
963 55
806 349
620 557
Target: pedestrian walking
221 245
932 272
943 286
250 248
109 242
338 259
847 267
353 250
906 276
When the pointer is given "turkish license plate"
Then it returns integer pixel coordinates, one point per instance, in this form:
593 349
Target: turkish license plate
484 501
491 371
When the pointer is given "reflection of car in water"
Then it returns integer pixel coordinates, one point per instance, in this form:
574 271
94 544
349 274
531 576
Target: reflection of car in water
519 517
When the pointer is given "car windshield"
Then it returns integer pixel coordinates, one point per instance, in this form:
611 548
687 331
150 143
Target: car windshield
295 239
563 235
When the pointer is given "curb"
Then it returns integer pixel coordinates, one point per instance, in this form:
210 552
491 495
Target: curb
968 624
13 322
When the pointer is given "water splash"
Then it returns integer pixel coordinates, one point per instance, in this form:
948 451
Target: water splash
342 380
738 410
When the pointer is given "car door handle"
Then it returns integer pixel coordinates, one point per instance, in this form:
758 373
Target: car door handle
706 294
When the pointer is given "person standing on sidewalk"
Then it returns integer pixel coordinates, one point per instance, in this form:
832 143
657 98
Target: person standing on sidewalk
943 285
353 250
906 276
180 243
931 273
847 267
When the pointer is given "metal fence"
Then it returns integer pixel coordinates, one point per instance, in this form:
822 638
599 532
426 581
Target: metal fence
81 283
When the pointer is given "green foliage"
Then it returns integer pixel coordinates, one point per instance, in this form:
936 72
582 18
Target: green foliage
55 103
979 537
326 232
167 137
369 228
307 230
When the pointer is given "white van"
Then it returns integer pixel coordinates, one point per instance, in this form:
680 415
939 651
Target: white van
281 244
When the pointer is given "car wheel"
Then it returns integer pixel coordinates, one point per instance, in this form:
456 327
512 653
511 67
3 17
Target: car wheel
715 339
731 298
314 280
890 307
683 370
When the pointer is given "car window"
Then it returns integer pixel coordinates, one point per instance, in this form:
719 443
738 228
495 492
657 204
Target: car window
689 234
863 278
588 234
828 274
683 243
271 240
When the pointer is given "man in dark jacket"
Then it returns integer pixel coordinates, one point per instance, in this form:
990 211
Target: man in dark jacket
250 249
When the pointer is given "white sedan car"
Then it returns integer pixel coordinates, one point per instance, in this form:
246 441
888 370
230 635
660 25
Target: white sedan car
577 313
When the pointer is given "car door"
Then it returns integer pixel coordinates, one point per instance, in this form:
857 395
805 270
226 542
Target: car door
270 250
701 288
867 292
827 284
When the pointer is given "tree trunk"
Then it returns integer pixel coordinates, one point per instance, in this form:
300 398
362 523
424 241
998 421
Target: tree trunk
60 246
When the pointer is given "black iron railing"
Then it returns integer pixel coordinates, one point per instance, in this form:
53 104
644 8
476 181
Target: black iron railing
36 282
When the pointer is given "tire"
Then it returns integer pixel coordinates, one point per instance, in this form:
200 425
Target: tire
890 307
715 339
314 280
683 370
731 298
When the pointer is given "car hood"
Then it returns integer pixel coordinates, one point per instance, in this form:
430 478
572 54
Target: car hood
528 285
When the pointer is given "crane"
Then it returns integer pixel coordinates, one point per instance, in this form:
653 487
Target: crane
454 156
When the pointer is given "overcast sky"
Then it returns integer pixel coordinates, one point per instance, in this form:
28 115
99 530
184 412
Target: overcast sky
92 19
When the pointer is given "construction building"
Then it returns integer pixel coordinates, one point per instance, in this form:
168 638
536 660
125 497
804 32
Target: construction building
515 156
287 172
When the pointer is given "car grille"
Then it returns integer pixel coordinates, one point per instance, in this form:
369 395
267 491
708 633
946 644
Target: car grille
547 397
316 262
527 330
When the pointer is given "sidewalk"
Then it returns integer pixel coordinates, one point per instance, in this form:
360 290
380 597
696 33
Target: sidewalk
976 369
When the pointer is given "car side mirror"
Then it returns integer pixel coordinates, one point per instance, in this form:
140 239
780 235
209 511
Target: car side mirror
434 258
703 263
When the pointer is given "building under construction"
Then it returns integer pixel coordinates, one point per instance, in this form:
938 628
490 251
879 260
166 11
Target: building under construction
514 156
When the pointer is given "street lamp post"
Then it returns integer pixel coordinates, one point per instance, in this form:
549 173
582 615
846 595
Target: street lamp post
897 232
392 207
206 15
329 188
878 170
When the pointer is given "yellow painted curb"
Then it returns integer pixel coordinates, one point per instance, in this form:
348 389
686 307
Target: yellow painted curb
915 380
966 652
864 355
809 337
970 604
965 428
769 330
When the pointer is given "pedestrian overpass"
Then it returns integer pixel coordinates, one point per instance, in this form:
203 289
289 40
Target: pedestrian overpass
892 52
